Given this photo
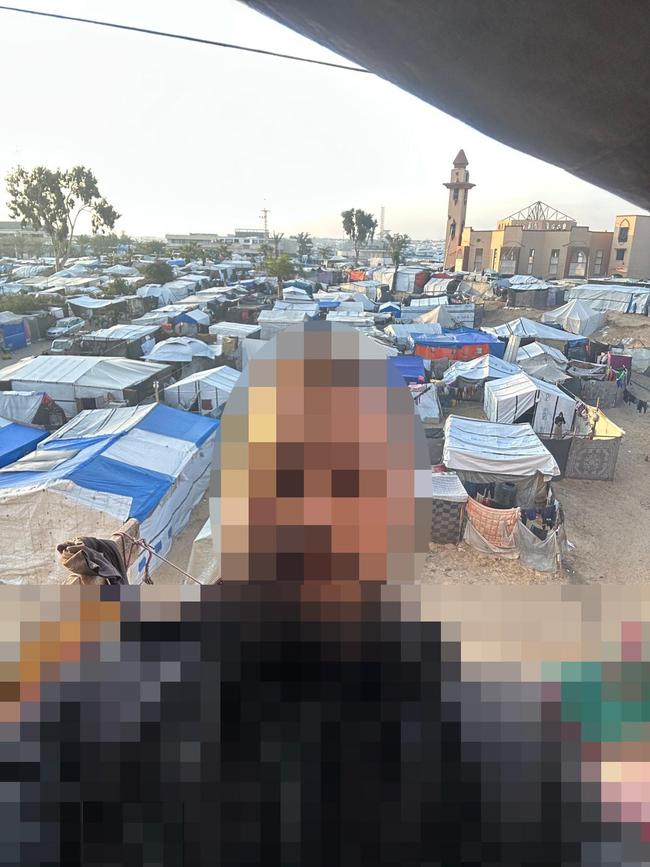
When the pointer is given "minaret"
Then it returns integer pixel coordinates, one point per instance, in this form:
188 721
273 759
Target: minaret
458 187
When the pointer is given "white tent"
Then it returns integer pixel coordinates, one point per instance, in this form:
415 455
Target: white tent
612 296
403 334
451 315
523 327
70 379
241 330
478 370
273 321
577 316
427 404
211 388
358 319
182 350
508 400
476 446
20 406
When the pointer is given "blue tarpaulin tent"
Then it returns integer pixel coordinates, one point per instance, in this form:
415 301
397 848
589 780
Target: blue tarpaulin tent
149 462
460 337
410 366
12 330
17 440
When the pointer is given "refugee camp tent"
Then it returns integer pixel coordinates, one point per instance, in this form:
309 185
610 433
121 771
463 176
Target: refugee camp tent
77 382
520 397
131 341
491 450
249 349
576 316
523 327
611 296
205 391
17 440
157 290
306 305
102 468
527 291
272 322
411 367
13 330
240 330
537 353
358 319
31 408
451 315
402 334
461 344
478 370
427 404
183 350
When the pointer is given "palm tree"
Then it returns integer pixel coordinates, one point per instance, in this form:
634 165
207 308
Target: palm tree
305 244
395 245
281 267
276 237
325 252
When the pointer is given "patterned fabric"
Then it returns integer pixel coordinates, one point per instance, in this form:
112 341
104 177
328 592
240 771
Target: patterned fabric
496 526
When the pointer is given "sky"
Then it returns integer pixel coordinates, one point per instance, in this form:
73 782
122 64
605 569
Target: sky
189 138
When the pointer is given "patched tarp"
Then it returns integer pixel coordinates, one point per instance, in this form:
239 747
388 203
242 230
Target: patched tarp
544 555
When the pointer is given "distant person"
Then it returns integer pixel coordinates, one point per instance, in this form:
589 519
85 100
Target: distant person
558 426
645 407
621 378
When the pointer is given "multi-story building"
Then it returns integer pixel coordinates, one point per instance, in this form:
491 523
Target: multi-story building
542 241
242 241
631 247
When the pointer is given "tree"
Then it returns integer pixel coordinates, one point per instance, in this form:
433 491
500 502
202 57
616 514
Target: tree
158 272
223 252
325 252
265 250
360 227
118 287
281 267
276 237
395 244
152 248
52 202
193 251
305 244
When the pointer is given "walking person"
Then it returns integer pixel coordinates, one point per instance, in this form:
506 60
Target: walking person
558 426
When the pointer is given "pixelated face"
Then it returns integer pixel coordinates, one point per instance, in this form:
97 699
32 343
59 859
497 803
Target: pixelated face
323 471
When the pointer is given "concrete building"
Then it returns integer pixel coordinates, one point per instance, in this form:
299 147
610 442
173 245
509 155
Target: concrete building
459 187
630 256
242 241
538 240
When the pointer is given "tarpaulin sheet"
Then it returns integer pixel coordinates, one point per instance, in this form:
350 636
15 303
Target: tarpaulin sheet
495 450
20 406
183 425
145 487
17 440
410 366
541 554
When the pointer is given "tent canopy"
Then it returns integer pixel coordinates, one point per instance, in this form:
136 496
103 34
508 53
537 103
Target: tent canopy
576 316
92 371
523 327
182 349
507 400
478 370
495 450
17 440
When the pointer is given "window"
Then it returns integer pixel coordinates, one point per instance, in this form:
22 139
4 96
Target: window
553 263
598 262
620 255
455 194
531 260
494 259
622 234
478 259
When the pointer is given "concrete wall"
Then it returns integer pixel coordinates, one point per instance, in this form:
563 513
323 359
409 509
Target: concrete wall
636 261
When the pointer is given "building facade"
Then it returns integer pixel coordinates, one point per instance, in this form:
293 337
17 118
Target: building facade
541 241
630 255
